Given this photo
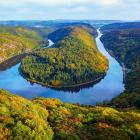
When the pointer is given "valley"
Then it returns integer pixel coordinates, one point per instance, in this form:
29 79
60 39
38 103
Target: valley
75 83
90 93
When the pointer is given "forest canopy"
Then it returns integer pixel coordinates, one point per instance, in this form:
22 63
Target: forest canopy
49 119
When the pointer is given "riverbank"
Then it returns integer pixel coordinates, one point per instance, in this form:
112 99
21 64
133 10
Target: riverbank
59 87
11 61
124 69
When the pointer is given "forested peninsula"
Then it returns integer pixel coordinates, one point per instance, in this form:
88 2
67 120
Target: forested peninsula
74 59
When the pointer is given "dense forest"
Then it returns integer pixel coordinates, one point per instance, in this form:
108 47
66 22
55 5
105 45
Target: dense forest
125 45
17 40
47 119
73 60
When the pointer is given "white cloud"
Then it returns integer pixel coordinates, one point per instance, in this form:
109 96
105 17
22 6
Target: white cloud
63 8
59 2
109 2
72 2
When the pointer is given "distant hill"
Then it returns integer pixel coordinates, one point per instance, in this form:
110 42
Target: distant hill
120 26
52 23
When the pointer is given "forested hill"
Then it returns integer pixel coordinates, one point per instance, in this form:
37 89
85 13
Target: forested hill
17 40
51 119
73 60
62 32
125 45
120 26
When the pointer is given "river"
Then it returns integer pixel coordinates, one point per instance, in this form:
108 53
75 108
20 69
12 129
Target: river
109 87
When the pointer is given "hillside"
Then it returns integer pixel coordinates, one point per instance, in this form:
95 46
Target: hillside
17 40
22 119
66 29
73 60
125 45
50 119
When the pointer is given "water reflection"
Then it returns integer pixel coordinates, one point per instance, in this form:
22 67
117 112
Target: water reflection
74 89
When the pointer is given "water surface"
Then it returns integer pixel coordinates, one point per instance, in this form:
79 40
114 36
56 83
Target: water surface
109 87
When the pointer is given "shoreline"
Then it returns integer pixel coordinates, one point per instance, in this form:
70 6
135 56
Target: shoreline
124 69
9 58
59 87
13 60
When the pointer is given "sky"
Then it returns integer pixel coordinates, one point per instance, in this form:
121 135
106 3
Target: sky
69 9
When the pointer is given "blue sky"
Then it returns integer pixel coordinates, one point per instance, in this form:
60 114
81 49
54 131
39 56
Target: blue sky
69 9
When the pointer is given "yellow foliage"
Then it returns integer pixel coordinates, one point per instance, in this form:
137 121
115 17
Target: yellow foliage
103 125
65 111
57 83
109 111
72 65
4 133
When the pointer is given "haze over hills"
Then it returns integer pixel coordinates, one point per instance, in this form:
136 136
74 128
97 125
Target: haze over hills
56 23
